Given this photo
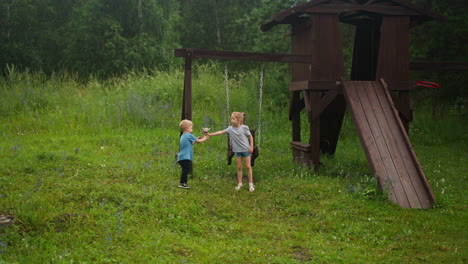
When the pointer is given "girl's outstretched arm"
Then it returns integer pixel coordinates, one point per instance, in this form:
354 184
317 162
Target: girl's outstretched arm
217 133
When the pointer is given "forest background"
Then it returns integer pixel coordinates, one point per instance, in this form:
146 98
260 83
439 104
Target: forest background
104 38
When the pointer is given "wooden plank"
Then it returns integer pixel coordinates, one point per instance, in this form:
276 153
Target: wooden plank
367 138
394 143
429 199
300 146
399 149
387 145
238 55
383 151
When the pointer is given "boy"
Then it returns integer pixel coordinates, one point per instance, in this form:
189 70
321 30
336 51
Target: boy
185 155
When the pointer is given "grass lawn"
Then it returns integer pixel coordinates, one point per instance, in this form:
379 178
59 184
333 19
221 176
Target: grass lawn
88 175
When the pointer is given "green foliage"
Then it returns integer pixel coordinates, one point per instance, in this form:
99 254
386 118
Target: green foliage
90 177
443 41
110 38
94 37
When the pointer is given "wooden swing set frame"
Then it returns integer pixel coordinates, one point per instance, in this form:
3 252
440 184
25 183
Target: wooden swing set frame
189 54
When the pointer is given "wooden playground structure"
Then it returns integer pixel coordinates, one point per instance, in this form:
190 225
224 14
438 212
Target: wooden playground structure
376 94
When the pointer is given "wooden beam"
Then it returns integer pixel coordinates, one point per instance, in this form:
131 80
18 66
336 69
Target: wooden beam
314 85
439 65
336 85
238 55
324 102
292 58
378 9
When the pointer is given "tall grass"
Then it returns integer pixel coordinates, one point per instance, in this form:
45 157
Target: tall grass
87 171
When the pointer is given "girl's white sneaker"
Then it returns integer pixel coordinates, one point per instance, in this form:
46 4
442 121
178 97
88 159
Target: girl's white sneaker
238 187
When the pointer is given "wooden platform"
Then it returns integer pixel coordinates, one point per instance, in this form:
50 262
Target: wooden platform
386 144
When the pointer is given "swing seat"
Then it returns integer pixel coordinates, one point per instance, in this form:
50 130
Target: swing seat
254 155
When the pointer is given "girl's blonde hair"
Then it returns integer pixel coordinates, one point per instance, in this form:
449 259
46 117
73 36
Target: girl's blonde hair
184 124
239 116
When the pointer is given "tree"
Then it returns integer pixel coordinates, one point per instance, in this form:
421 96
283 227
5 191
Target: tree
110 36
99 37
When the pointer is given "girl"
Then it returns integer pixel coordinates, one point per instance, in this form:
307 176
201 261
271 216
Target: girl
242 144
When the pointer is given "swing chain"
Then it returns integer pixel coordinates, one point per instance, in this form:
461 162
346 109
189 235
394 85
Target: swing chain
260 99
226 82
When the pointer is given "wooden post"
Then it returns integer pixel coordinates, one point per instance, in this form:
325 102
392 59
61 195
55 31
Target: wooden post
314 139
187 97
300 72
295 115
327 65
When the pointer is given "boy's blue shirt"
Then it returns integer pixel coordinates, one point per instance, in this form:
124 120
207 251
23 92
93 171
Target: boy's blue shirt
186 147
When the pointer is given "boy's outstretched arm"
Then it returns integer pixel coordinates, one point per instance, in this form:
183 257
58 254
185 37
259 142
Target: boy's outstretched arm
203 139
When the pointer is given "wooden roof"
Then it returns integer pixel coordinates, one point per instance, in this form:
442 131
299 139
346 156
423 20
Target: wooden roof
352 11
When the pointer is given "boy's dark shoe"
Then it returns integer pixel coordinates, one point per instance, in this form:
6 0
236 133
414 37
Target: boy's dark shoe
184 186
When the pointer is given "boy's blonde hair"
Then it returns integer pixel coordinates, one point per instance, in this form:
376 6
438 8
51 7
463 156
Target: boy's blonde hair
184 124
239 116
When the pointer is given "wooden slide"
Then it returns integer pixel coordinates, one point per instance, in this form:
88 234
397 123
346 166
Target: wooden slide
386 144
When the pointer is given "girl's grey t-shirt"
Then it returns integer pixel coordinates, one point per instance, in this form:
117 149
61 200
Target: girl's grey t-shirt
239 138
